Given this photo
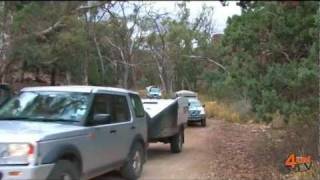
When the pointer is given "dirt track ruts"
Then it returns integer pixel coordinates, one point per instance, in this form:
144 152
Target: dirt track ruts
221 151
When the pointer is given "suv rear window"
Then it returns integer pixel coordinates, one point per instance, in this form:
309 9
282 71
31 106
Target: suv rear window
137 105
115 105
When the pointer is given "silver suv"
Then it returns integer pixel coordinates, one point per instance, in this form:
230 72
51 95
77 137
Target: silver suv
72 132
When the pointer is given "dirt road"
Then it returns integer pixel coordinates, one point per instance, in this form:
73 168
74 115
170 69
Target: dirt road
220 151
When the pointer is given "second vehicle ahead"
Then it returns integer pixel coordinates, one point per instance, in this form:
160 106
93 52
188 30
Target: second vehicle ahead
153 92
196 109
196 112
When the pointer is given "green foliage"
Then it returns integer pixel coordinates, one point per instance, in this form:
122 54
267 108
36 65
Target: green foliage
271 51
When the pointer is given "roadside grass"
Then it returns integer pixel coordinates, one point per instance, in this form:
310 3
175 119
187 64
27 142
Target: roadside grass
299 139
237 112
221 111
312 174
282 138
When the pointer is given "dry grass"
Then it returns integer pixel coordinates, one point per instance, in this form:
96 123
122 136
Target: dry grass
298 139
312 174
235 112
142 93
221 111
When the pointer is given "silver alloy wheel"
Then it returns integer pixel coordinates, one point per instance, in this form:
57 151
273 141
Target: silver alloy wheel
66 176
136 164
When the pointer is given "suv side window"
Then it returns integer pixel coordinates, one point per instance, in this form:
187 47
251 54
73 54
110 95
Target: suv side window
137 105
120 109
100 105
115 105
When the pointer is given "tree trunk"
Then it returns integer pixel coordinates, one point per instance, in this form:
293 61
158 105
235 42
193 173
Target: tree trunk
53 76
126 76
37 74
161 76
165 82
68 78
21 76
85 80
182 84
5 36
21 73
134 77
86 59
164 86
100 56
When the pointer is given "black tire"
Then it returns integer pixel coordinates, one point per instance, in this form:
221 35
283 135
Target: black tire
176 142
64 169
133 167
204 122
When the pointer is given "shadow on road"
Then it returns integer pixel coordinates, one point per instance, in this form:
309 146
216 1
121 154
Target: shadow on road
159 150
159 154
195 125
155 151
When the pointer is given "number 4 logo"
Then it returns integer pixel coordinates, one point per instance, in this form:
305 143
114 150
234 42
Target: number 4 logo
294 162
291 161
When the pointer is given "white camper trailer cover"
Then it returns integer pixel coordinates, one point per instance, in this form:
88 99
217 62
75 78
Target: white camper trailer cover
154 106
186 93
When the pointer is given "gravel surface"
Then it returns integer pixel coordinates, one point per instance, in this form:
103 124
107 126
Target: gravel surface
221 151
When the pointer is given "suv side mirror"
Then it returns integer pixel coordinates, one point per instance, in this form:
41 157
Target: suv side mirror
100 119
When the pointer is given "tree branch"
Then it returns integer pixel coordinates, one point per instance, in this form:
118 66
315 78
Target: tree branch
286 55
208 59
50 29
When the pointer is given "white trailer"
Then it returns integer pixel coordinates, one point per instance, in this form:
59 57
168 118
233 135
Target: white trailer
167 119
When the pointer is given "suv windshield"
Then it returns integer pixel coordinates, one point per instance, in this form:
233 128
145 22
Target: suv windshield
46 106
194 103
155 90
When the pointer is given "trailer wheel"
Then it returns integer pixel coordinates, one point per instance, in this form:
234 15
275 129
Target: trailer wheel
177 142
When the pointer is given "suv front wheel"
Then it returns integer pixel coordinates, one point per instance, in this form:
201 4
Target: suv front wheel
64 170
203 122
132 169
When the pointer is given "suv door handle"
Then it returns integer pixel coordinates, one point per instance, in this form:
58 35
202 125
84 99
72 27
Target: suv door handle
113 131
133 127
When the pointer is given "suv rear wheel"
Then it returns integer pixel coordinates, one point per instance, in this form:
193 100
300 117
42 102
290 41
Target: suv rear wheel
132 169
64 170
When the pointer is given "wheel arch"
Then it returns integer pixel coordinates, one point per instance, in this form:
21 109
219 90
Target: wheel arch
64 152
139 139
